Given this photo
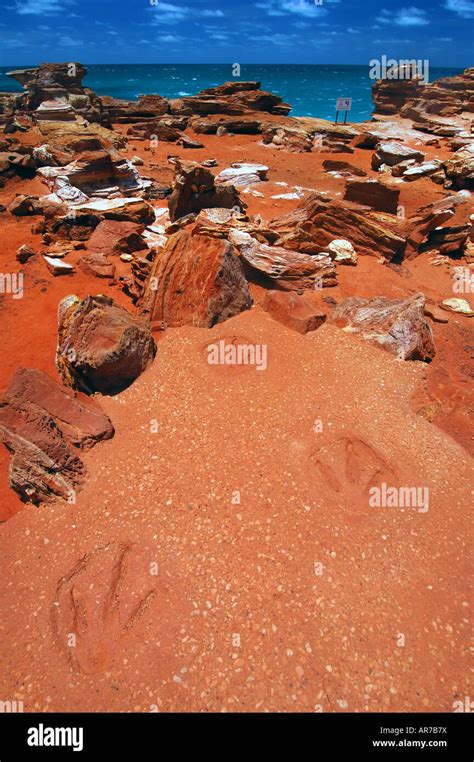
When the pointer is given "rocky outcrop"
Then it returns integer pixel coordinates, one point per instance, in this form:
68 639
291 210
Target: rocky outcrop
460 167
42 425
246 124
303 134
54 91
231 98
159 130
195 189
398 326
318 220
433 107
286 269
379 196
197 281
125 112
80 224
101 346
293 310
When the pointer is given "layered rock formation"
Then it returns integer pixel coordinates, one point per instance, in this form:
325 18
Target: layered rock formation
55 92
432 106
197 281
42 425
318 220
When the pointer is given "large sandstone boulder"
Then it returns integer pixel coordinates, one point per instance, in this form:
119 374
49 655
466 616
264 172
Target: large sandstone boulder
42 424
318 220
397 325
197 281
158 129
79 224
101 346
94 172
283 268
195 189
251 123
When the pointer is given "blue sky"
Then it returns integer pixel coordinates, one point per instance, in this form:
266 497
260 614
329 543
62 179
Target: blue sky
235 31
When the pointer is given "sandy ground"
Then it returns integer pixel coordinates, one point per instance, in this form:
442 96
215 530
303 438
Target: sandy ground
230 561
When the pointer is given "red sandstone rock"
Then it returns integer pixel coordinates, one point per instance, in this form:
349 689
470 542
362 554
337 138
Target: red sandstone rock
194 189
158 129
343 168
197 281
408 97
460 167
288 269
399 326
98 265
39 421
373 193
419 226
101 347
318 220
111 237
293 310
391 153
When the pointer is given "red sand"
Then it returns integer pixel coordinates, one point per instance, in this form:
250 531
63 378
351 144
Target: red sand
227 569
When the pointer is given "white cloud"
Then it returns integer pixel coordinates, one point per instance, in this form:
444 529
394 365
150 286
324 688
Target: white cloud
67 41
392 42
404 17
304 8
275 39
464 8
170 38
41 7
169 13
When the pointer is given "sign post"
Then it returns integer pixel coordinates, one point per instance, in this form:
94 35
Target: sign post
343 104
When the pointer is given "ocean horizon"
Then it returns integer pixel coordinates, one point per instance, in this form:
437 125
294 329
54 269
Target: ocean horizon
311 89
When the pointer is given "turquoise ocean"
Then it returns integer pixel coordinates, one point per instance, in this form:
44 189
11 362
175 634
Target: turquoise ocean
311 90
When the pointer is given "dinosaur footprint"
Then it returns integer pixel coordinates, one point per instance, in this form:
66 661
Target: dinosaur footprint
349 467
98 602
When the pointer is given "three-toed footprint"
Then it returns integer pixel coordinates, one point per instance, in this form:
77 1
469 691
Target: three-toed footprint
349 467
99 601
